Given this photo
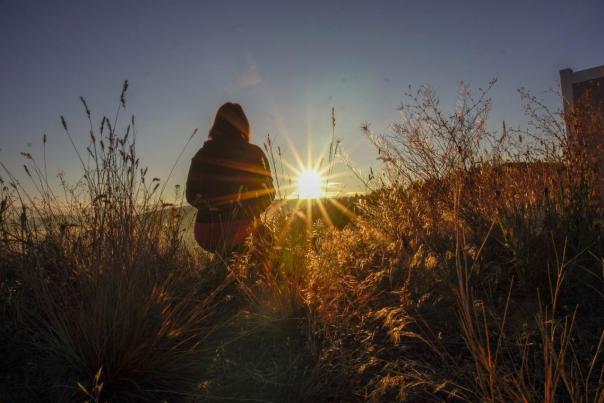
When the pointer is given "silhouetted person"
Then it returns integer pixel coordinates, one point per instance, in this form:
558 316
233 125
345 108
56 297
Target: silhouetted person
229 182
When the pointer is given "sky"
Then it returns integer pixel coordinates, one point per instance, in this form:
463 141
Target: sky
287 63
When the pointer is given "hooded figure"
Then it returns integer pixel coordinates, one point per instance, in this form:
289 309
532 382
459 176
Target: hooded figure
229 182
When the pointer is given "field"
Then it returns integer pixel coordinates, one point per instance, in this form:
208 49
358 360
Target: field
470 270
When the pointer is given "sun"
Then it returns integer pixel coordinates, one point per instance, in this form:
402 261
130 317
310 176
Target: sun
310 184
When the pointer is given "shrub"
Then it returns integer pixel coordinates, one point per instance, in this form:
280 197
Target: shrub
473 274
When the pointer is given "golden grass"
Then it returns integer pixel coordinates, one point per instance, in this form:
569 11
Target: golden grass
471 272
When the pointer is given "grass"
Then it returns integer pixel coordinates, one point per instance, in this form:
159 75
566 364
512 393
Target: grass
472 271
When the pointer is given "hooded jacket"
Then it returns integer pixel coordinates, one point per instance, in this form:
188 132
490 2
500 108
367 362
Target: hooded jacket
229 179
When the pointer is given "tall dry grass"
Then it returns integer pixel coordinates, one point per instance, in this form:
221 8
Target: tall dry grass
473 271
111 303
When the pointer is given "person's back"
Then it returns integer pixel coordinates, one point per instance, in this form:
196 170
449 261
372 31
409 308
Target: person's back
229 182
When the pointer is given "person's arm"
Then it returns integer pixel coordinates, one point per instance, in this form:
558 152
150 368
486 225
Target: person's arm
266 189
268 180
195 182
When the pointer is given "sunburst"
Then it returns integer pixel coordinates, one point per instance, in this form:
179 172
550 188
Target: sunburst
310 184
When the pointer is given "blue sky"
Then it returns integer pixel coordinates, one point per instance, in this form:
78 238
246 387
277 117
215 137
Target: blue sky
287 63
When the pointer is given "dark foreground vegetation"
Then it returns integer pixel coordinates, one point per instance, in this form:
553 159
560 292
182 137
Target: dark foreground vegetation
472 270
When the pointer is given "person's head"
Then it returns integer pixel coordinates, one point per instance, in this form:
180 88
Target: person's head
230 123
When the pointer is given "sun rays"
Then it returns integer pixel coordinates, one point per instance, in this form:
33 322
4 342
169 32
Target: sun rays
308 185
306 177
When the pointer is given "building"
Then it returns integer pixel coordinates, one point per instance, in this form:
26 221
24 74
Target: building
583 100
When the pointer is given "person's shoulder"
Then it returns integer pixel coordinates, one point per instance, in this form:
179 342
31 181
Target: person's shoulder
256 150
204 151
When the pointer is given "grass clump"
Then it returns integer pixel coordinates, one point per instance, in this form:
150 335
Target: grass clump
109 302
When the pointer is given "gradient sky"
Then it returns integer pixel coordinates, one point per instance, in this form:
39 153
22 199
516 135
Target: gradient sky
287 63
